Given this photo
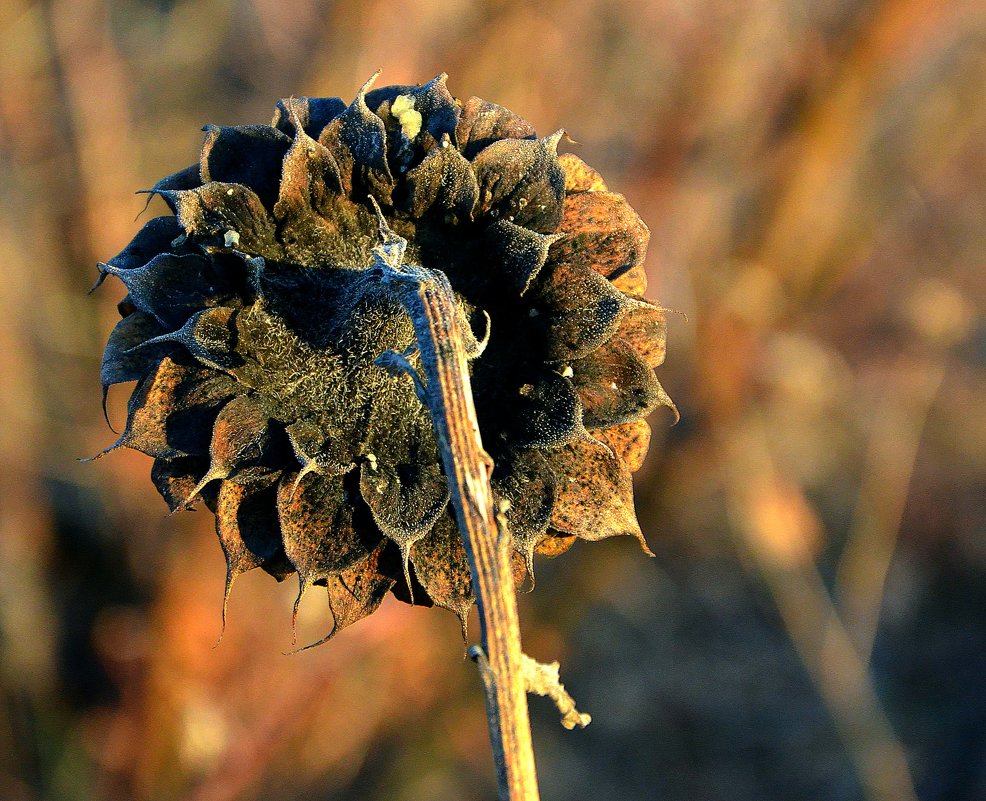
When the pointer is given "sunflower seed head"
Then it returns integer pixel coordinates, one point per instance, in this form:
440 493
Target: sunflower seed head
275 369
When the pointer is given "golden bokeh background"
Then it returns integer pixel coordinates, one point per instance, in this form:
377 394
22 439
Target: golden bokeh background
814 624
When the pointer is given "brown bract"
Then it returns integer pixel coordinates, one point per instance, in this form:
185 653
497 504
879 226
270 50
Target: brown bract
254 318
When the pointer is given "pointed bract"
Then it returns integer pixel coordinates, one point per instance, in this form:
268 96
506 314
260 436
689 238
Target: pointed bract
313 113
594 493
357 592
169 414
525 481
403 483
516 254
122 359
482 123
209 336
547 412
246 522
579 176
614 385
318 528
154 238
230 215
176 478
169 287
521 181
441 565
240 434
245 154
443 183
645 329
602 232
357 140
580 310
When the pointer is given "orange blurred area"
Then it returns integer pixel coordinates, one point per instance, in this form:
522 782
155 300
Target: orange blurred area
813 627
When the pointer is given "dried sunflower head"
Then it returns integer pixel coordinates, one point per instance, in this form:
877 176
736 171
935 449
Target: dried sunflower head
252 323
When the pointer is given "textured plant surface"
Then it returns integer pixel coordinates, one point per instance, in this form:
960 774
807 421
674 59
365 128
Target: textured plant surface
254 317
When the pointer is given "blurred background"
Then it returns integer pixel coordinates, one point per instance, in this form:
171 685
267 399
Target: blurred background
814 627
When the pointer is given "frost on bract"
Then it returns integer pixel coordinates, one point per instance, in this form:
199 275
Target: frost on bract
252 325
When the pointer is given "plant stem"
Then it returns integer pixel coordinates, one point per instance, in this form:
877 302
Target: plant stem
430 302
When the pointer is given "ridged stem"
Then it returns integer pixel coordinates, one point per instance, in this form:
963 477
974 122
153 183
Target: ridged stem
445 389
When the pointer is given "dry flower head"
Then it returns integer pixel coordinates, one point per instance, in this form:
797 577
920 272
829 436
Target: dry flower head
254 320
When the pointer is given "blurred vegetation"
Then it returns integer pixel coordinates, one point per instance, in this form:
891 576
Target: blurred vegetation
814 175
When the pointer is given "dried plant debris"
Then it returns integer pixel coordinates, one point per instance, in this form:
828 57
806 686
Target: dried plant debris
252 325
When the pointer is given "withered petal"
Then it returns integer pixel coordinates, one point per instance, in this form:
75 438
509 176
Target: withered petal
308 207
577 309
240 435
220 211
319 531
169 287
601 231
594 493
628 441
439 111
205 388
481 123
194 405
516 252
520 180
314 113
316 452
614 385
579 176
405 499
244 154
163 420
402 481
445 183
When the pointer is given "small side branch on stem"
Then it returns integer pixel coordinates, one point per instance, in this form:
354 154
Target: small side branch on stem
543 679
540 679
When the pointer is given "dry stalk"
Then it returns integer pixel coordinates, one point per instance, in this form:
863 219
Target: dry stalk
445 389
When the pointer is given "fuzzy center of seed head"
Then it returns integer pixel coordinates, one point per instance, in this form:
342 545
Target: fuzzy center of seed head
403 110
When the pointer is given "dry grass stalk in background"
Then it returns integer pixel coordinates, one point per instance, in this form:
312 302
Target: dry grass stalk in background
779 532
